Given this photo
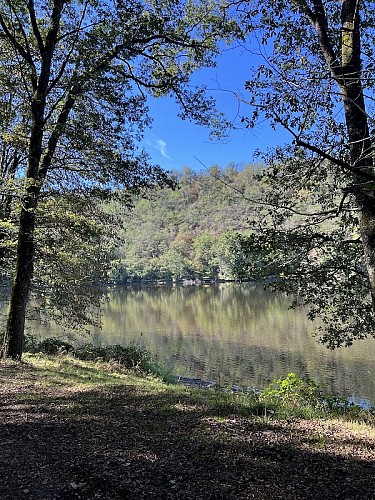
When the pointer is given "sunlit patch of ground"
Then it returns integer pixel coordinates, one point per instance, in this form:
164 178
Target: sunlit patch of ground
71 429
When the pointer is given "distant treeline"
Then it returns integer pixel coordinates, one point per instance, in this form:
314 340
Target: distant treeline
191 232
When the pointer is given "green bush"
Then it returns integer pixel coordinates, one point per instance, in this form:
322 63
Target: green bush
30 343
51 345
127 356
293 391
131 357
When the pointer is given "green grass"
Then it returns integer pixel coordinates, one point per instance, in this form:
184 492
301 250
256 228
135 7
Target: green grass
66 370
123 428
287 399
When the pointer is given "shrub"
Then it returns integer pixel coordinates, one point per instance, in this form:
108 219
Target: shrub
293 391
49 346
132 357
127 356
30 343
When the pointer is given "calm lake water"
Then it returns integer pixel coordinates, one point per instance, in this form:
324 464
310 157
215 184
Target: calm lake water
233 334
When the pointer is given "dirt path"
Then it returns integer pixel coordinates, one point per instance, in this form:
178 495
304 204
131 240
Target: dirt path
123 442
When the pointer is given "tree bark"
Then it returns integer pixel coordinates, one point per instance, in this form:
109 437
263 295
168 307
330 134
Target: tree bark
360 144
14 334
361 157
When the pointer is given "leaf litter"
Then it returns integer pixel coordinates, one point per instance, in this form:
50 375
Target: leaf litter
120 440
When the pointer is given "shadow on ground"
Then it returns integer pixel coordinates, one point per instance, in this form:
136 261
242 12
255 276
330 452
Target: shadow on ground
125 444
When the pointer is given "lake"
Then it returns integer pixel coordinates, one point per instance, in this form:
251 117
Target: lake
234 334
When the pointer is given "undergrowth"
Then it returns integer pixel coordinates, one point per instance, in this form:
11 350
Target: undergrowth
292 397
129 357
287 398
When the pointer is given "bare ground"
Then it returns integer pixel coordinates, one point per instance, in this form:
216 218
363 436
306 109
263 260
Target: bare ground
124 442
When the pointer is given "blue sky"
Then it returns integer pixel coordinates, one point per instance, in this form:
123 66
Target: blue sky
174 143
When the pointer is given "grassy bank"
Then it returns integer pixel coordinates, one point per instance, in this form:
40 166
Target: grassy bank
289 397
73 428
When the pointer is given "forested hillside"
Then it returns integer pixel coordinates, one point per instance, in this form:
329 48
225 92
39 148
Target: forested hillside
191 232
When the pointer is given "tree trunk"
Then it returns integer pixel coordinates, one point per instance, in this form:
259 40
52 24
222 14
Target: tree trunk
14 333
361 157
360 144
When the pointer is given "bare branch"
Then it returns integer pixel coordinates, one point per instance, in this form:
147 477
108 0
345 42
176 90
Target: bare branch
67 58
18 47
77 30
57 132
318 19
19 26
336 161
34 24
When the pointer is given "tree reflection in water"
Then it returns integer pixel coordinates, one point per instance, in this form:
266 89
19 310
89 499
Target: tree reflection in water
231 333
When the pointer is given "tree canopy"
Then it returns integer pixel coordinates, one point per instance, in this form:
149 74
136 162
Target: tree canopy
315 79
74 80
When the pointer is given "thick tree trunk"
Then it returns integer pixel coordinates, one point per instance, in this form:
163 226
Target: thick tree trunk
362 159
14 334
360 144
39 160
361 155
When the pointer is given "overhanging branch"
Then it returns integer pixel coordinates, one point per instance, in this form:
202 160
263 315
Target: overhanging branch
336 161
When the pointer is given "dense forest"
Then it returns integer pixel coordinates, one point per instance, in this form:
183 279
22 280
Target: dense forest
190 232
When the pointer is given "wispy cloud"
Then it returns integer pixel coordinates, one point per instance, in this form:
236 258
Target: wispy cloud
161 146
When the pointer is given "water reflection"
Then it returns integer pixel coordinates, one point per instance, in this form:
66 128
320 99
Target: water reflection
233 334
